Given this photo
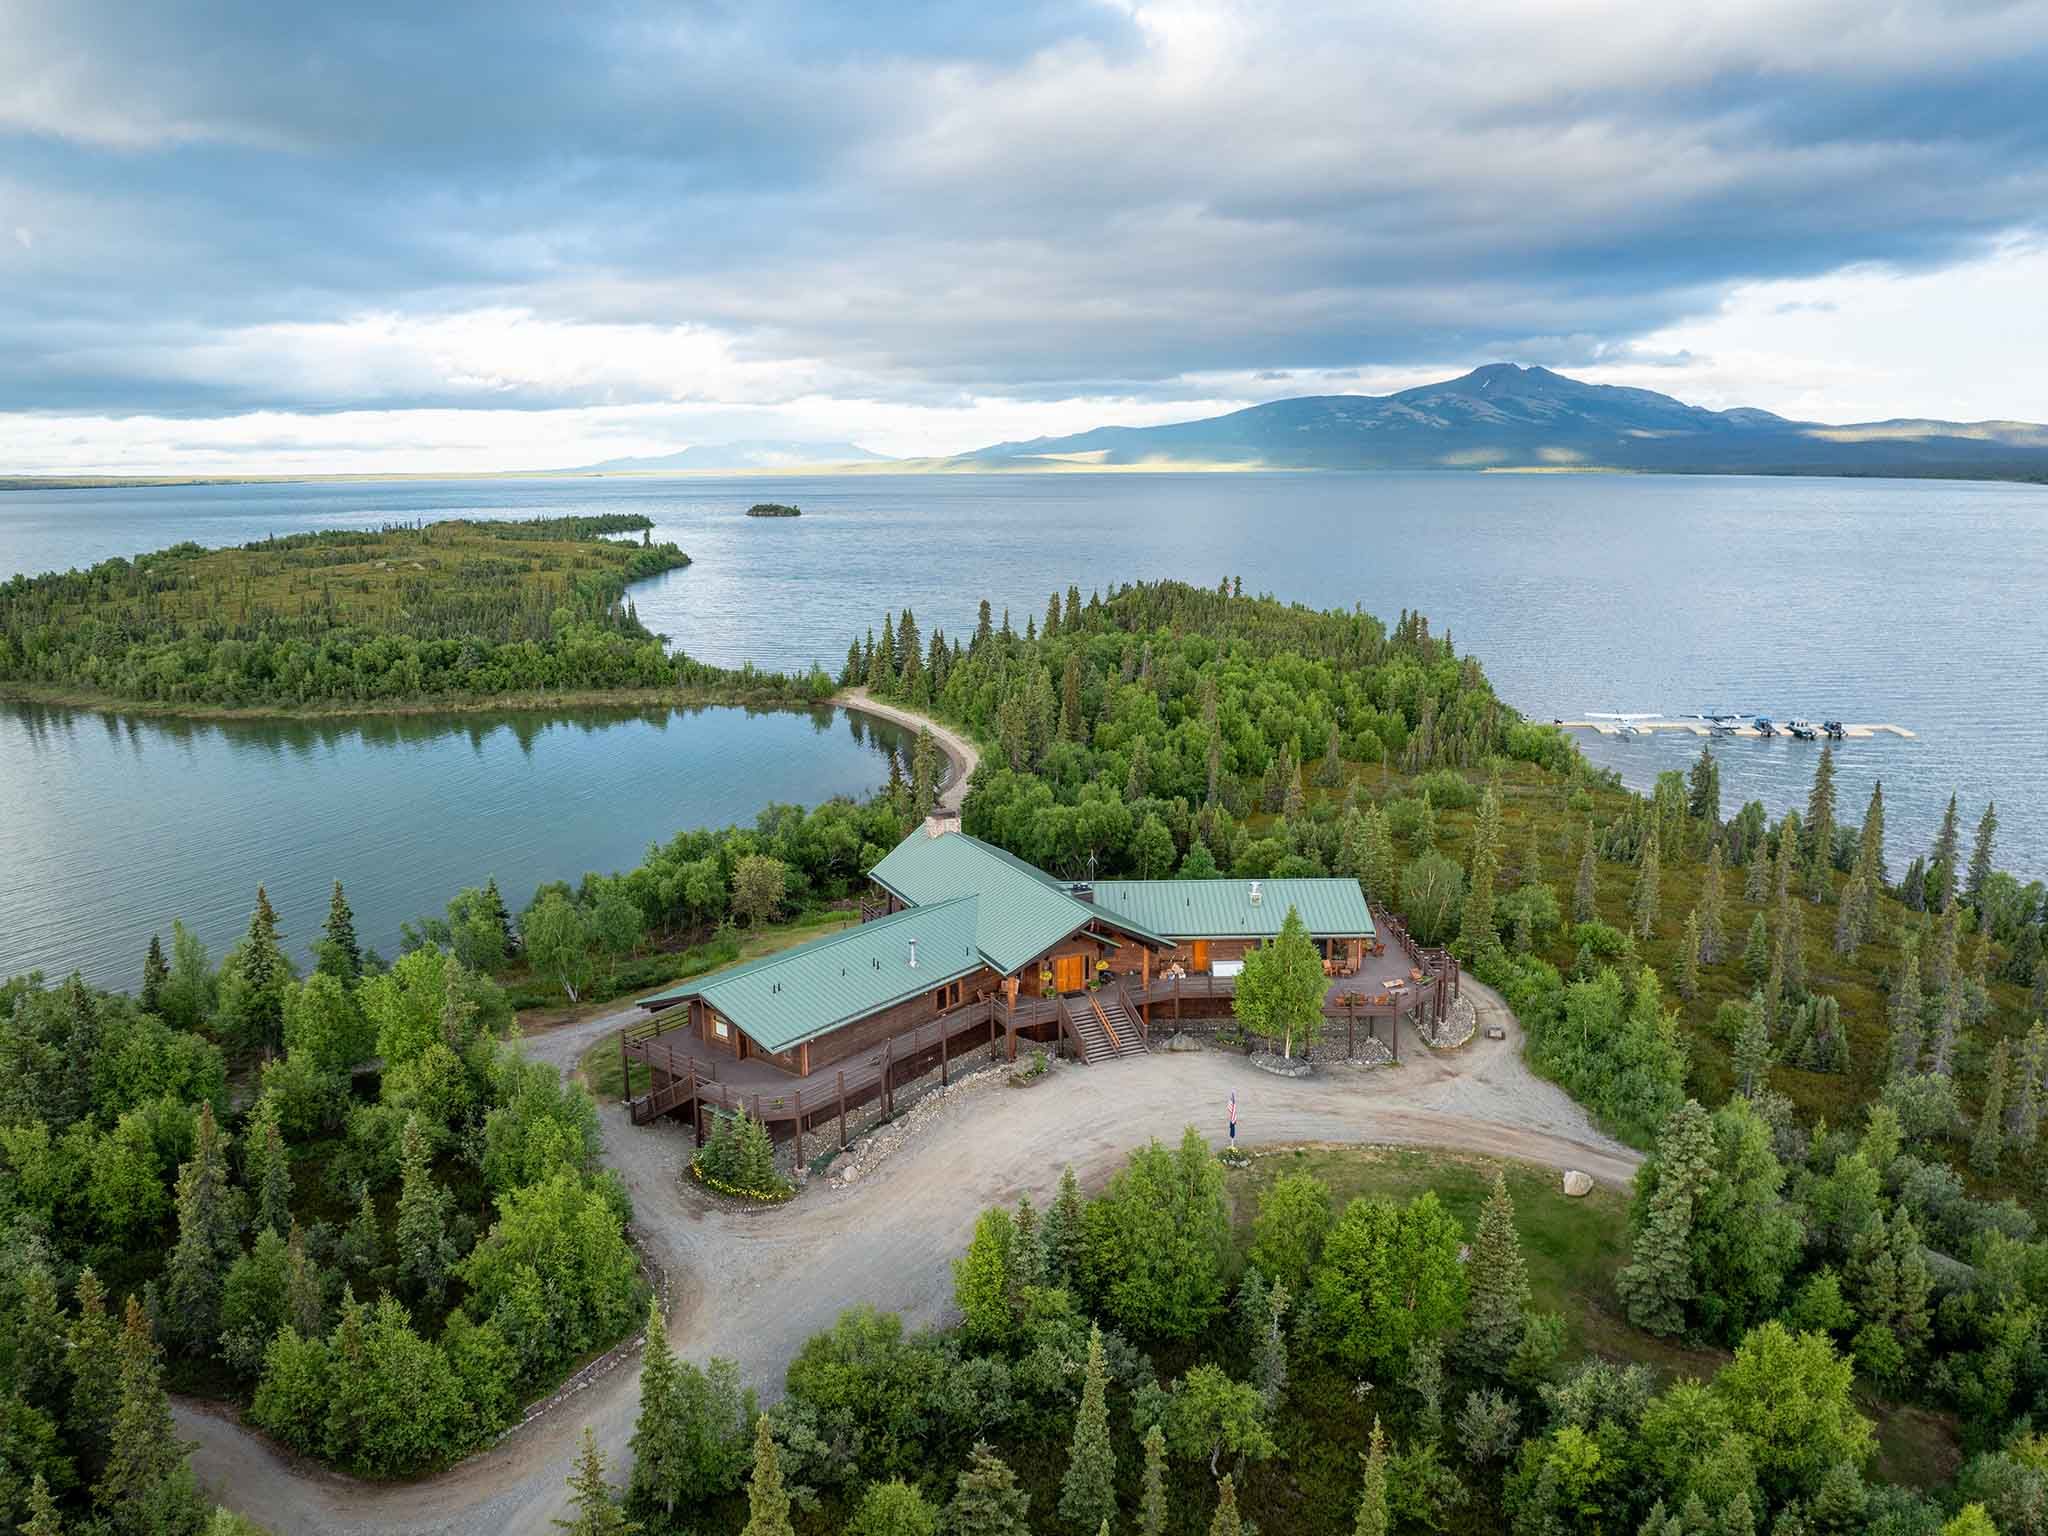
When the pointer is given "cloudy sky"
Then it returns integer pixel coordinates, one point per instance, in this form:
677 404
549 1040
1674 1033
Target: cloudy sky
390 235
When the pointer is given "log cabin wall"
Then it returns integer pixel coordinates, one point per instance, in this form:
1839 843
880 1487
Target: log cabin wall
867 1033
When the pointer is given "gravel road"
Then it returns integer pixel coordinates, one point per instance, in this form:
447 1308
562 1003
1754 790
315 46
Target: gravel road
960 752
754 1284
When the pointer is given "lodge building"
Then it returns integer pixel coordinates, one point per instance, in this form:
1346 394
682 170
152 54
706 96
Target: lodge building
963 944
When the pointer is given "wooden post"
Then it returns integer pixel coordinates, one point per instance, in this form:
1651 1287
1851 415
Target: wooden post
626 1072
1350 1032
696 1108
888 1078
842 1110
942 1054
799 1130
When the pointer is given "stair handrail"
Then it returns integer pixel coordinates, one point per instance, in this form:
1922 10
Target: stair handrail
1123 996
1095 1002
1069 1028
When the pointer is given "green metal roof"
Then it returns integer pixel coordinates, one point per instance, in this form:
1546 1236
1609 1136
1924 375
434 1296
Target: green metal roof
784 999
1224 909
1022 912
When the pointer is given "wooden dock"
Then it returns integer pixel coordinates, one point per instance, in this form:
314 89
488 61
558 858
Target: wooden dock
1749 732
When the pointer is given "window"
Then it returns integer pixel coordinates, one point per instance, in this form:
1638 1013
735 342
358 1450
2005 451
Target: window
719 1028
947 996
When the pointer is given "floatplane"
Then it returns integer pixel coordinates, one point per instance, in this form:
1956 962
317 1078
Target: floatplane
1628 725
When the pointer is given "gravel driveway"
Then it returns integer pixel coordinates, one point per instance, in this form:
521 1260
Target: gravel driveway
754 1284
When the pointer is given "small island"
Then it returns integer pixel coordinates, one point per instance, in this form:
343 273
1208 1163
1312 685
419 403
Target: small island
773 509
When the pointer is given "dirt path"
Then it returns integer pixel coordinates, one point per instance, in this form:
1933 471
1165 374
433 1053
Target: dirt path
961 753
754 1284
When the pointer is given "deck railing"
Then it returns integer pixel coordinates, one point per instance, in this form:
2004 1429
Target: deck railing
683 1078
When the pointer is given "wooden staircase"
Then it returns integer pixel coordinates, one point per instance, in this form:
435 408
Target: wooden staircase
1107 1030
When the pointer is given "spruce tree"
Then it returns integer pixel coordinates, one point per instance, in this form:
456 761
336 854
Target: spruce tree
1870 843
1904 1012
43 1518
985 1281
1703 799
1497 1280
340 955
1756 878
986 1499
1989 1139
1062 1234
1225 1522
1713 911
155 972
264 973
1941 1045
425 1255
661 1435
273 1179
1656 1285
1943 862
40 1341
597 1511
1756 950
1088 1491
1331 772
94 1362
2024 1121
1073 724
767 1499
1791 943
147 1488
1849 919
1980 857
1476 936
1152 1485
1373 1517
209 1240
1941 952
1688 979
1586 890
1818 833
1531 872
1753 1051
1643 901
305 1300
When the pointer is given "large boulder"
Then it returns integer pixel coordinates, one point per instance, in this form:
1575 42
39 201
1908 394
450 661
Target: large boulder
1577 1183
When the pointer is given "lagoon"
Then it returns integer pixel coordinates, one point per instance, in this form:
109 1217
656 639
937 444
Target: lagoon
114 826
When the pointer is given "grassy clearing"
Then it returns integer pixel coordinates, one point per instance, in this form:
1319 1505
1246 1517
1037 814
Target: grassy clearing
600 1069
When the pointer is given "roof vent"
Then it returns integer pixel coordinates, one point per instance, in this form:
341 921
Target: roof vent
1255 893
913 954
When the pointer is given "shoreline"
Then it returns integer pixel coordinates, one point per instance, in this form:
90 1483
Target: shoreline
458 704
962 755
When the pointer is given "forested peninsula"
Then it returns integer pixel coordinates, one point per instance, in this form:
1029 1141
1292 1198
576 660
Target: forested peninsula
1826 1309
450 614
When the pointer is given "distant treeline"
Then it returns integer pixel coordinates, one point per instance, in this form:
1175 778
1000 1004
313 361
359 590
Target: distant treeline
358 617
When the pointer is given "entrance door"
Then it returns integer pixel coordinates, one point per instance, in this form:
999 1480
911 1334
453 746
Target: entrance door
1201 954
1070 972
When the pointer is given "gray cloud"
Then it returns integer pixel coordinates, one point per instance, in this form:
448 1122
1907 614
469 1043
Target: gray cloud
934 202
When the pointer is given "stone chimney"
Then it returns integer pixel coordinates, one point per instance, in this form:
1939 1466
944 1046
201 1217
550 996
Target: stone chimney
942 820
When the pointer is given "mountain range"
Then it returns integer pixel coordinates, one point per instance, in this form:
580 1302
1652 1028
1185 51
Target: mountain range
1504 416
754 455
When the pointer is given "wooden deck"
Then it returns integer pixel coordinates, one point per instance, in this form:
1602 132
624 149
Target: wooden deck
685 1077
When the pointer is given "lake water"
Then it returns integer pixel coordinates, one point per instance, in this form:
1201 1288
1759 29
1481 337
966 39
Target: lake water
1913 602
113 826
